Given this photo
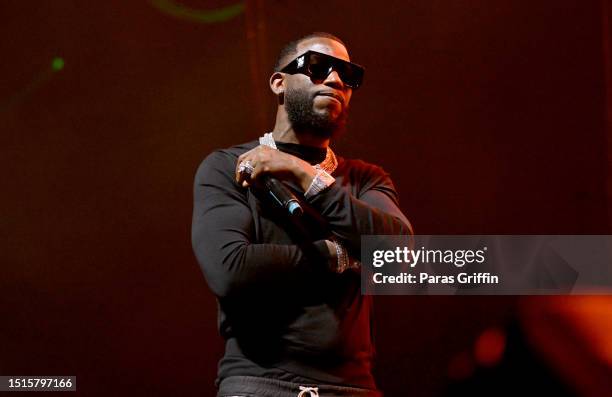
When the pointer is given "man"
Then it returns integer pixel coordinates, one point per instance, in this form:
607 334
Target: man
290 308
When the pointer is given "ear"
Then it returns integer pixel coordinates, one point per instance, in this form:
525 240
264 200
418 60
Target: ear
277 83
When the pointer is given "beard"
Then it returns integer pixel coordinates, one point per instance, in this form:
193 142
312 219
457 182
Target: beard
299 105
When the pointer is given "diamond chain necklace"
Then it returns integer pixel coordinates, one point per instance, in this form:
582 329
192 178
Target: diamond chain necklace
329 163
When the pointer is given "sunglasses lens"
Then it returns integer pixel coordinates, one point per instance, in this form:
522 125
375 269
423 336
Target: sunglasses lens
319 66
349 74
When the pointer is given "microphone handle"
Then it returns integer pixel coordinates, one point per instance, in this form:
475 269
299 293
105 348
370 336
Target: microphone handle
282 195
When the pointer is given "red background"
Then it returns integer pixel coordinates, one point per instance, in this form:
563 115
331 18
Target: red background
490 117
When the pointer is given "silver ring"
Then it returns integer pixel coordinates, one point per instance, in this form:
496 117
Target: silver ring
246 167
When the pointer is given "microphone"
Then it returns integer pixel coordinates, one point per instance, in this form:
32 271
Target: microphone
282 195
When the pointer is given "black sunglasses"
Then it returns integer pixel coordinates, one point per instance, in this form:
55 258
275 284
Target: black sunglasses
318 66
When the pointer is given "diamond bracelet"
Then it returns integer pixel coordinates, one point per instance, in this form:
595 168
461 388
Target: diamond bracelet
320 182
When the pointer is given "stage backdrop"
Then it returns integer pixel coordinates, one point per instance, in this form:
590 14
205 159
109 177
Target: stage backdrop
490 117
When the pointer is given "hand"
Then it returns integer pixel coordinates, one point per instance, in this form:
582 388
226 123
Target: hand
266 160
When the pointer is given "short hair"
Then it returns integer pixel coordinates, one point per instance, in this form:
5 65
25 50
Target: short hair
290 48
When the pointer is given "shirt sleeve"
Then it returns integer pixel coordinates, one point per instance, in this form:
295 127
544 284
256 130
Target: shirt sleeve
374 212
222 229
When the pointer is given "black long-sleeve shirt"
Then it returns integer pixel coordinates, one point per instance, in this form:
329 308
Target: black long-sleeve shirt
282 312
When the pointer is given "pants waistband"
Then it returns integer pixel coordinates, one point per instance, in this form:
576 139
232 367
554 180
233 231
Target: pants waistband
251 386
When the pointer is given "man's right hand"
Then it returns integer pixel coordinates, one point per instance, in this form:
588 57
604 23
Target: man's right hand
265 160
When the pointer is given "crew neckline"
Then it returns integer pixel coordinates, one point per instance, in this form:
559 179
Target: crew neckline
313 155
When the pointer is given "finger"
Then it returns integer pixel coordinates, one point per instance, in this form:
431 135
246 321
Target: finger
258 170
243 157
243 173
240 177
260 154
248 155
237 171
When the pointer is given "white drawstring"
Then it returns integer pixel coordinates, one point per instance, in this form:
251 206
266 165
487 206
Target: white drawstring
312 391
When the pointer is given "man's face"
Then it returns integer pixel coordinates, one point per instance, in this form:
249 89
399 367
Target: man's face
320 107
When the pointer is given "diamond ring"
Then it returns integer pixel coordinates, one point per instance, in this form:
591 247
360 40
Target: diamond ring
246 167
